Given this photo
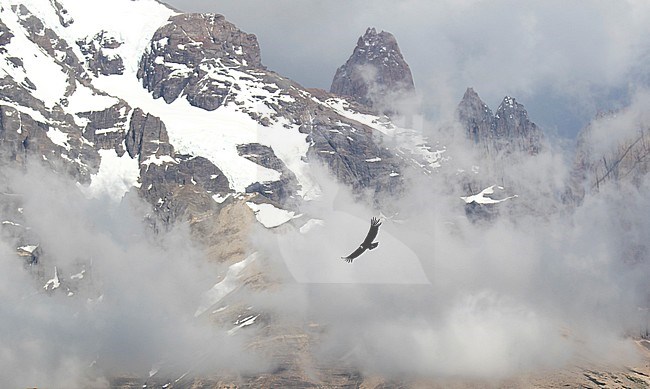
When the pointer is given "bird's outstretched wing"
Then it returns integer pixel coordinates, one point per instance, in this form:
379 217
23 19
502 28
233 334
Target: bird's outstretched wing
355 254
372 233
367 243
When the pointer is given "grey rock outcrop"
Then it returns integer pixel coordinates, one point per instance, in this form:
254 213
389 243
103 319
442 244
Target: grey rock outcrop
515 130
5 37
507 131
64 17
178 186
354 155
600 161
279 191
188 55
376 72
23 138
107 128
210 62
21 135
147 137
98 54
476 117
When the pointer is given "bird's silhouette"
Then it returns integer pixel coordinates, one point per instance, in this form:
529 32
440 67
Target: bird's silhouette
367 243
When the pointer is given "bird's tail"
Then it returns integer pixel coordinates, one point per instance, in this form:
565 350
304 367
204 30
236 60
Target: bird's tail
373 245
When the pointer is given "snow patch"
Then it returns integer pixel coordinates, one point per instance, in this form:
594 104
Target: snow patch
58 137
159 160
311 223
47 79
54 282
269 215
85 99
219 199
483 198
225 286
28 248
243 323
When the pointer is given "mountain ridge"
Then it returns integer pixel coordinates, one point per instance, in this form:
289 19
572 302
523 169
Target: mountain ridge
179 110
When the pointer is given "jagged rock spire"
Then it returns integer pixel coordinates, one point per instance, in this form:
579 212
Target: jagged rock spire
376 72
476 116
514 127
507 131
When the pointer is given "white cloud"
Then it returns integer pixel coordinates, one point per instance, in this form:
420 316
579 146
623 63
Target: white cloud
132 309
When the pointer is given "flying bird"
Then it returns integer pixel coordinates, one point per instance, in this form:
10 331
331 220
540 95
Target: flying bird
367 243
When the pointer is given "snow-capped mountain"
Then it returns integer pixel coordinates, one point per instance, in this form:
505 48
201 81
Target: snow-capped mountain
168 128
179 109
150 90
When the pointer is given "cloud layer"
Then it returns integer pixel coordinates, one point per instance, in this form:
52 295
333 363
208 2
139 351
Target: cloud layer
126 301
538 287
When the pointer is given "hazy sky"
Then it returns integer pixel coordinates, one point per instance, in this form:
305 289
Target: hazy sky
562 60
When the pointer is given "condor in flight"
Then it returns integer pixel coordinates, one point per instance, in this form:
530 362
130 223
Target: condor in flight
367 243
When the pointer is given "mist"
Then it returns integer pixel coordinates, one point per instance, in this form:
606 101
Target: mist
126 301
543 285
540 286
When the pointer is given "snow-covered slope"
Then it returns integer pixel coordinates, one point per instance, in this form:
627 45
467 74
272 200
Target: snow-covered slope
82 78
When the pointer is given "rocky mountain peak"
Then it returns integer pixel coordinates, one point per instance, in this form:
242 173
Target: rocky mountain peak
475 115
510 105
471 96
190 54
374 41
376 72
513 125
508 130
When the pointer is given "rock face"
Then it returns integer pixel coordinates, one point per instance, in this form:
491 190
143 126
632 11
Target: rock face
99 56
353 154
89 122
513 126
178 186
84 127
597 164
508 131
188 55
213 64
376 72
147 137
279 191
476 116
